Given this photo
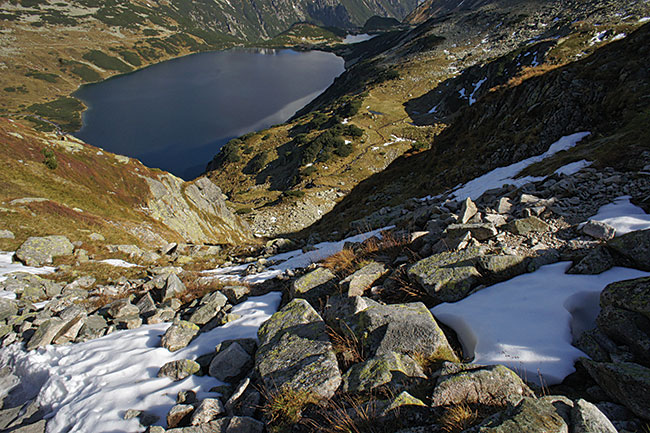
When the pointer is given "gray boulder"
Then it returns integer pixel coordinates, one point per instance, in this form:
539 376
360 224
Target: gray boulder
205 313
474 384
179 415
215 426
94 327
207 410
597 261
391 370
587 418
363 279
295 352
236 294
122 308
8 308
599 230
497 268
179 370
523 226
626 382
244 424
402 328
479 231
6 234
448 276
230 364
179 335
531 415
173 288
632 249
146 305
314 285
45 333
39 251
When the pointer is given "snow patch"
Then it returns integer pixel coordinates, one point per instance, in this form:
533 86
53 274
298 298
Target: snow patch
118 263
87 387
477 86
7 266
573 167
289 260
527 323
623 216
506 175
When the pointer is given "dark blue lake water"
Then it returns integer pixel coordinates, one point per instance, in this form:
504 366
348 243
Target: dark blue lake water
177 114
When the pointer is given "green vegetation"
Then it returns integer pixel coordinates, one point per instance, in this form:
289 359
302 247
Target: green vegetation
50 159
50 78
58 19
86 73
65 111
41 125
150 32
131 57
20 89
258 162
229 153
105 61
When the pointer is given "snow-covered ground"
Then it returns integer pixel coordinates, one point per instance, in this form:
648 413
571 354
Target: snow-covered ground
289 260
525 323
118 263
528 322
87 387
7 267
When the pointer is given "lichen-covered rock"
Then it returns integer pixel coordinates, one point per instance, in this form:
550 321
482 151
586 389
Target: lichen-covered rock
587 418
314 285
403 328
230 363
497 268
627 328
215 426
30 287
479 231
8 308
632 295
146 305
94 327
394 371
531 415
236 294
205 313
632 249
295 352
474 384
363 279
448 276
179 370
626 382
208 409
179 335
39 251
523 226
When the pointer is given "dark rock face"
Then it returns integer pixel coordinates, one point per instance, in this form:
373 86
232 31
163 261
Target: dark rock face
625 382
632 249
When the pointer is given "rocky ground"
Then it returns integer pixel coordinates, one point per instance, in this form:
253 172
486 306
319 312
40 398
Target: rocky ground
354 346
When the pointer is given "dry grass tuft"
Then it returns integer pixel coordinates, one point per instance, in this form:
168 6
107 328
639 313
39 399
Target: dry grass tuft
284 407
196 288
344 262
349 415
347 347
458 418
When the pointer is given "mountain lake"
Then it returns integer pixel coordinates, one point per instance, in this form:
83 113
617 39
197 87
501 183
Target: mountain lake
177 114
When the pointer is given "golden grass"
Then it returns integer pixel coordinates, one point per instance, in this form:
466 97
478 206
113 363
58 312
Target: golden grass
350 415
458 418
284 406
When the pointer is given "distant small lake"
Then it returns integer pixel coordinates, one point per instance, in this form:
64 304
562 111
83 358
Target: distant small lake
177 114
355 39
